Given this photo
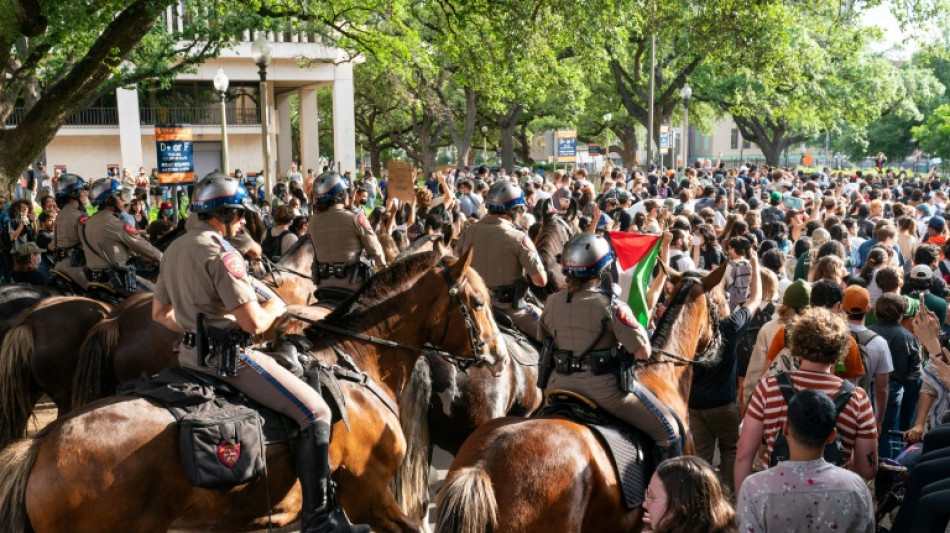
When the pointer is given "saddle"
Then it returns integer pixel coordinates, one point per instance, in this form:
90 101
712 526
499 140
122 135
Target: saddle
630 449
522 348
332 297
104 292
64 283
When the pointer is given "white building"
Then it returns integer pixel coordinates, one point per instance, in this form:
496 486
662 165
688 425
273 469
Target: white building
118 129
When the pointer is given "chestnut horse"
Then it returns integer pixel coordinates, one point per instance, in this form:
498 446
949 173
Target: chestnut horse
549 235
552 475
114 465
39 355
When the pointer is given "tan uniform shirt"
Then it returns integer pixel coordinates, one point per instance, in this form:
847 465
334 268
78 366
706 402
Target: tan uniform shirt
108 239
501 252
201 273
339 235
575 324
67 226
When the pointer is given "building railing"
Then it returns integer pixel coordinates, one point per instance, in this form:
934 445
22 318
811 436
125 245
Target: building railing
175 19
197 116
91 117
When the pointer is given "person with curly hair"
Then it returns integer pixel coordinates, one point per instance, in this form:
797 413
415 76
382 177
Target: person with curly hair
819 337
684 496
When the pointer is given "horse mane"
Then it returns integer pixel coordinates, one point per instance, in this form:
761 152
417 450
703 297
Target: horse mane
418 244
381 288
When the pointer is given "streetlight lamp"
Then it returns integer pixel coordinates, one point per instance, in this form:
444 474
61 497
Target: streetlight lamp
686 92
262 50
484 144
221 85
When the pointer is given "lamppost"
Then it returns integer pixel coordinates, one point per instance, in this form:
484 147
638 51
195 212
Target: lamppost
607 118
262 50
484 144
686 92
221 85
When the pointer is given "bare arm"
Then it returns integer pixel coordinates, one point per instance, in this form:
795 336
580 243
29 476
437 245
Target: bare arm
255 318
916 433
864 458
755 292
164 314
749 440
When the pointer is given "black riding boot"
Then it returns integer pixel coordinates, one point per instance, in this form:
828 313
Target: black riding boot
320 512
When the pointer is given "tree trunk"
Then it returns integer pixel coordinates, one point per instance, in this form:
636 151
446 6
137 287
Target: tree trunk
628 152
375 153
524 144
506 130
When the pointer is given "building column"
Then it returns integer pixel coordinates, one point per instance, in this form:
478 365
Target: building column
344 126
284 137
130 130
309 130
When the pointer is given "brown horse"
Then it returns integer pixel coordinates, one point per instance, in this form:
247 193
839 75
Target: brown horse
39 355
114 466
552 475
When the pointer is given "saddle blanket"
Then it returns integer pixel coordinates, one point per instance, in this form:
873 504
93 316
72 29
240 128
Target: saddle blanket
629 449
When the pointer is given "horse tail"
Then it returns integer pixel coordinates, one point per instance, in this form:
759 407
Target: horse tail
411 484
467 503
94 368
16 462
16 399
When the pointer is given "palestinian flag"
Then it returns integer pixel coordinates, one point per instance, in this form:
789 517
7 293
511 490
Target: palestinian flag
636 256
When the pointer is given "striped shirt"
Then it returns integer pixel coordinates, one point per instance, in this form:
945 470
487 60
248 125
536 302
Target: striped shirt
768 406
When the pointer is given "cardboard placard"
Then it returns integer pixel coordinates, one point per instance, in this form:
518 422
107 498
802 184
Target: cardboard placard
401 181
174 147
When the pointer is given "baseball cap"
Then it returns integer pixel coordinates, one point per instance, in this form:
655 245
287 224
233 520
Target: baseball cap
623 196
925 209
797 295
937 222
921 272
808 194
28 248
776 196
856 300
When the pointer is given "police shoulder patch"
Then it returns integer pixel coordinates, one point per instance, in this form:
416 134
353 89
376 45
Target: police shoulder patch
528 244
130 229
234 263
361 218
625 315
83 219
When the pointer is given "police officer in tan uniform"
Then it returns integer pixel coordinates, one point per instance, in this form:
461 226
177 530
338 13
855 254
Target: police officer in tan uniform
586 326
109 242
346 250
502 253
204 276
72 193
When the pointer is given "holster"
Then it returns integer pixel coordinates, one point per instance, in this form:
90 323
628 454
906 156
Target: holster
627 372
221 348
77 257
546 362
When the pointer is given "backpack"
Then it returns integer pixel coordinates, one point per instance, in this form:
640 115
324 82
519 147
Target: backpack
270 248
863 338
834 451
738 289
944 271
747 341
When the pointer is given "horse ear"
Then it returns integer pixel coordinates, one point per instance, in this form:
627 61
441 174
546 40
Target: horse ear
465 260
715 277
672 275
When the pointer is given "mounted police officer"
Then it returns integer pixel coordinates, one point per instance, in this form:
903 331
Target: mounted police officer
109 241
205 292
346 250
72 193
502 253
585 328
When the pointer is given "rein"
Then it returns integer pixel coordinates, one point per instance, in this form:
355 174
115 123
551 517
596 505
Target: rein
475 334
663 330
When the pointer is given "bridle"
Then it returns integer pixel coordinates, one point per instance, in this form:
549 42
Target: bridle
474 332
476 341
662 332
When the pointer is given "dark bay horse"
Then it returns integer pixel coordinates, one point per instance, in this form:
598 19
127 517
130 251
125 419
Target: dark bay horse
552 475
39 355
549 235
114 465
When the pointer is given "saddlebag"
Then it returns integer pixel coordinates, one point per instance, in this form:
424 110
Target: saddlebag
221 448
